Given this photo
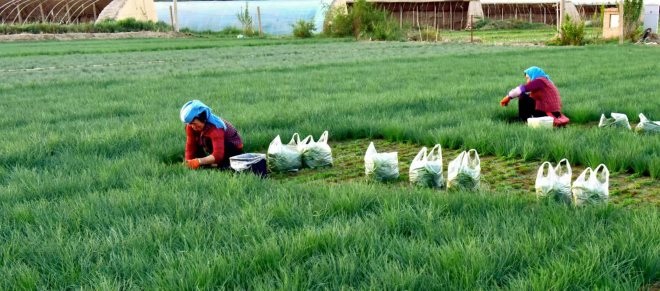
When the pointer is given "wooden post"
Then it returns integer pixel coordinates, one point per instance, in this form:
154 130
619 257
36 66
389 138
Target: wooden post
471 28
530 14
400 16
558 20
94 11
176 16
68 15
515 12
502 12
172 18
435 16
18 12
451 17
419 27
622 22
443 15
544 17
259 19
41 10
562 12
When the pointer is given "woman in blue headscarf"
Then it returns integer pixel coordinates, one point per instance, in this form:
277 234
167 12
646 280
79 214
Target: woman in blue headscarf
210 140
538 97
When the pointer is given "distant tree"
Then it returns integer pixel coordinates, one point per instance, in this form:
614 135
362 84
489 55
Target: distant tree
632 9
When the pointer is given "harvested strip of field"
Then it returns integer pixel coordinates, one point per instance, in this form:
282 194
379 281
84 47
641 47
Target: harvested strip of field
499 174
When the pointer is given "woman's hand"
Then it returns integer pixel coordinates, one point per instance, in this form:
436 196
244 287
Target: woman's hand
193 164
505 101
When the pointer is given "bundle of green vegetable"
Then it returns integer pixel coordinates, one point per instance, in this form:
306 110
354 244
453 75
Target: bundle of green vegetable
317 154
647 126
592 186
617 120
284 158
464 172
554 183
381 166
426 169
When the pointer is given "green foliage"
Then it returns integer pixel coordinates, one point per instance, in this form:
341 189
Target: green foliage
96 198
632 9
303 29
363 20
494 24
107 26
571 33
424 34
245 19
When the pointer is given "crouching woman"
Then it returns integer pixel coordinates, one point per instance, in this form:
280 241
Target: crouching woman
538 97
210 140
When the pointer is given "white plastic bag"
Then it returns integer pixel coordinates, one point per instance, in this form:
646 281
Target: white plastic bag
381 166
617 120
592 186
284 158
317 154
464 172
647 126
554 183
426 168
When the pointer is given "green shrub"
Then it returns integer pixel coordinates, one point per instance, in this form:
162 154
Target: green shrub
632 10
494 24
231 30
246 21
571 33
303 29
125 25
387 30
362 20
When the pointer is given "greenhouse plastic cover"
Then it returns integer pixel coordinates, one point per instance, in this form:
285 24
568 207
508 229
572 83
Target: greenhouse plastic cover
277 17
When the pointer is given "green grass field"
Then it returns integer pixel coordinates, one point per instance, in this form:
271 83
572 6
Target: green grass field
93 194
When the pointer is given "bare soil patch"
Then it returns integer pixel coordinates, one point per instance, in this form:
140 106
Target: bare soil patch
499 174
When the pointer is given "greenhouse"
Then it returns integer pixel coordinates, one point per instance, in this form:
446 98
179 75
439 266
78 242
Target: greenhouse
74 11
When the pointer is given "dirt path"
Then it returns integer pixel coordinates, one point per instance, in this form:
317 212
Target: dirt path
498 173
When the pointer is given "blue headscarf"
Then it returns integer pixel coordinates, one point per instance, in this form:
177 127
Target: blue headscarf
536 72
193 108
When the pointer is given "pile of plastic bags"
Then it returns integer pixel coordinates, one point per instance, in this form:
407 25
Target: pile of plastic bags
621 120
591 187
298 153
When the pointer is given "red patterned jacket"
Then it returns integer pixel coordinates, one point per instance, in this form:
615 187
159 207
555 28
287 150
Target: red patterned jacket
545 93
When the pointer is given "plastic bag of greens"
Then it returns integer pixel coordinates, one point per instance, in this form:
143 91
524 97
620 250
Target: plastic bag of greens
381 166
426 169
284 158
317 154
592 186
464 172
647 126
617 120
554 183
